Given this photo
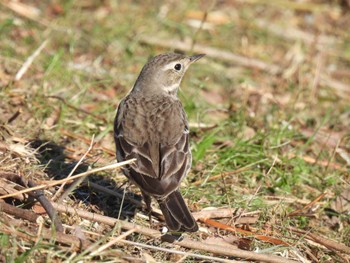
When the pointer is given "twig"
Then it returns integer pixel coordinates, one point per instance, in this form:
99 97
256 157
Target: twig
8 184
246 218
213 52
271 240
22 10
81 138
58 182
29 61
112 242
299 211
289 33
71 173
258 188
320 64
200 28
37 194
185 242
77 109
25 10
173 251
214 213
330 244
237 59
155 211
323 163
52 213
18 212
269 199
338 86
292 5
14 116
292 33
28 234
105 190
222 175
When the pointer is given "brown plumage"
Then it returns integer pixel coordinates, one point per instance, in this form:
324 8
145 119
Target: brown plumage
151 126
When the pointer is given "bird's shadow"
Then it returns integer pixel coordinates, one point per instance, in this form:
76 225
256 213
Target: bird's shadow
53 158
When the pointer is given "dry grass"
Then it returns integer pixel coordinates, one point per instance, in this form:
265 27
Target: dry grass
269 111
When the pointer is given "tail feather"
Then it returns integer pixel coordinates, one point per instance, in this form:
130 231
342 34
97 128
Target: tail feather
176 213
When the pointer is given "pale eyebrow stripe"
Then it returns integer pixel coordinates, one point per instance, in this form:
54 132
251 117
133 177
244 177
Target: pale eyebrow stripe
171 65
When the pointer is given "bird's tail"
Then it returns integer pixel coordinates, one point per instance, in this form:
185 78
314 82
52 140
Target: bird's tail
176 213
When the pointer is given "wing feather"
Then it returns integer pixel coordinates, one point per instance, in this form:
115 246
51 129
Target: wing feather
158 138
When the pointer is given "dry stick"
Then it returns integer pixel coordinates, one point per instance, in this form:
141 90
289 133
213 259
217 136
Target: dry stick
289 33
212 259
155 211
58 182
300 211
272 199
21 9
200 28
343 258
62 238
258 188
320 64
77 109
307 6
323 163
308 252
70 154
214 213
212 52
218 176
40 196
330 244
112 242
105 190
173 251
237 59
81 138
18 212
233 229
70 175
14 116
108 191
186 242
292 33
337 85
37 194
29 61
8 184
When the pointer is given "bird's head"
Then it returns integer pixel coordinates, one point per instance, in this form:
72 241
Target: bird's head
163 74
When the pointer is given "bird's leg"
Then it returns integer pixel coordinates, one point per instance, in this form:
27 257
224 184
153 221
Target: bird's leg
148 200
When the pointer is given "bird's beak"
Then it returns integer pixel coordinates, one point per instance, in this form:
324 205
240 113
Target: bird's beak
195 58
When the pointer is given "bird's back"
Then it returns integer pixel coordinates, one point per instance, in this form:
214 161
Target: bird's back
155 132
158 119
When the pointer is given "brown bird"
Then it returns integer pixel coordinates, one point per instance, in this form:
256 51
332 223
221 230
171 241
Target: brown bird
151 126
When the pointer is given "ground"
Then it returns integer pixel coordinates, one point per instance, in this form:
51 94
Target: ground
269 116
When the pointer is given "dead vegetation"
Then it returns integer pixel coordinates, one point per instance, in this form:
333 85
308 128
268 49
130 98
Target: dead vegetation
269 111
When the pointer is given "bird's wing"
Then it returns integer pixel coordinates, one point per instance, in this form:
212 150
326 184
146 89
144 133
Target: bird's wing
131 138
175 159
160 142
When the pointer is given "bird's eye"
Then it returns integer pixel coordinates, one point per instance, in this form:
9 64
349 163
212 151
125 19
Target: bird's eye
177 66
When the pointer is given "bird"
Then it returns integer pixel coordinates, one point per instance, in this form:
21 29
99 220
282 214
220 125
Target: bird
151 126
